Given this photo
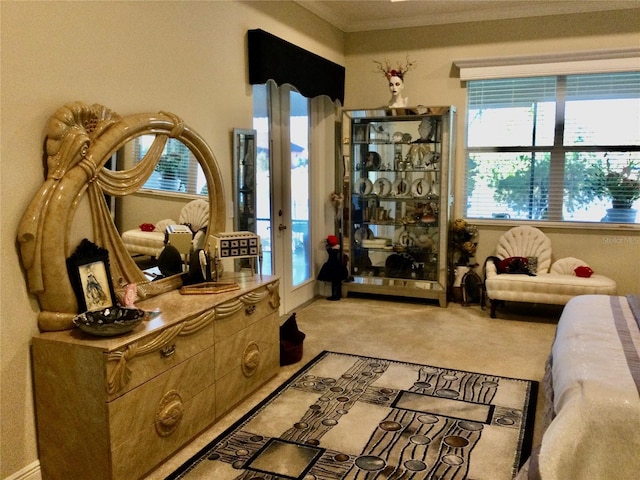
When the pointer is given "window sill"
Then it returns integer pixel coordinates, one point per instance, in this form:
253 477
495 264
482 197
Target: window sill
169 194
617 227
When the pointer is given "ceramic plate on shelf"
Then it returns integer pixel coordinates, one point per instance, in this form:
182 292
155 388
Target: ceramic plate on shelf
363 186
404 238
420 187
425 241
382 187
400 187
362 234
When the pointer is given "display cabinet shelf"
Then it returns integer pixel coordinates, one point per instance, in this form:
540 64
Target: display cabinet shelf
396 174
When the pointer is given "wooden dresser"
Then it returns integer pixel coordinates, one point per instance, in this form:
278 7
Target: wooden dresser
115 408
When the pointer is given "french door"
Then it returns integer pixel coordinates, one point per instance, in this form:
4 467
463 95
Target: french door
281 120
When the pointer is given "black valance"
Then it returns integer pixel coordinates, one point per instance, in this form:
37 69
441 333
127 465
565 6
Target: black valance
271 58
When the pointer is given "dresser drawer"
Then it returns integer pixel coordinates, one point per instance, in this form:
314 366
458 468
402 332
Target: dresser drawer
154 420
245 361
233 316
141 361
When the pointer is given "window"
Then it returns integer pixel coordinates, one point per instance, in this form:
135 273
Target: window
177 170
554 148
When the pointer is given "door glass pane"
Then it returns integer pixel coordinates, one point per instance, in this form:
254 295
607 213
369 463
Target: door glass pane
299 134
263 177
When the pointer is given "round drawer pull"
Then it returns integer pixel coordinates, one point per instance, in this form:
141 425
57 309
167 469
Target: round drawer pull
251 309
168 350
169 413
250 359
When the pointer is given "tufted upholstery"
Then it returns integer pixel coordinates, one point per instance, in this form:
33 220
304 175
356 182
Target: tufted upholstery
194 213
526 241
566 266
553 283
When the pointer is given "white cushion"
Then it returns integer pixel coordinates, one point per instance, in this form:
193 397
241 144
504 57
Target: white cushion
567 265
137 241
195 213
551 288
162 225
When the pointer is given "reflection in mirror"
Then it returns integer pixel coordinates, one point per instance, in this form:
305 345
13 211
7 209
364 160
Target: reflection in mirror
81 142
244 185
244 179
177 170
142 217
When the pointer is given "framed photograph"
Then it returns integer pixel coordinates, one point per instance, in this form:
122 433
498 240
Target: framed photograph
90 277
360 133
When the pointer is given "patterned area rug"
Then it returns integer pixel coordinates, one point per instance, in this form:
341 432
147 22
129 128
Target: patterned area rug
359 418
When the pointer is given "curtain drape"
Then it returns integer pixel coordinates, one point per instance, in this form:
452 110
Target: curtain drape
271 58
324 116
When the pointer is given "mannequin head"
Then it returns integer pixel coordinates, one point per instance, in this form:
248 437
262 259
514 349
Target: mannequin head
395 79
396 84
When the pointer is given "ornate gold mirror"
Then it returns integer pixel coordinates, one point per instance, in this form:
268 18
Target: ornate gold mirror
81 140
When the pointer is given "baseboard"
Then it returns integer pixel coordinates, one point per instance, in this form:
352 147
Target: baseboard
30 472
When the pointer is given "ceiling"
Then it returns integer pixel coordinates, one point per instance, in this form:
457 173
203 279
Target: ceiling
364 15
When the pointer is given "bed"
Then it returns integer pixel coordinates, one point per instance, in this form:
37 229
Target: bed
593 384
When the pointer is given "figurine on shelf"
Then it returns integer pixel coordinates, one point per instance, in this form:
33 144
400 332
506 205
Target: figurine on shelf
395 76
426 129
420 153
333 270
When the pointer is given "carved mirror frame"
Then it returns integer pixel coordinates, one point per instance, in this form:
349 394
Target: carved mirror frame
80 140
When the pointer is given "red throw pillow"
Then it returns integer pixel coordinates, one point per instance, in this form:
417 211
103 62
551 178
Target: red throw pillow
147 227
514 265
583 271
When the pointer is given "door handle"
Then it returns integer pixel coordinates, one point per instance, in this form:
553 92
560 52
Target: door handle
282 227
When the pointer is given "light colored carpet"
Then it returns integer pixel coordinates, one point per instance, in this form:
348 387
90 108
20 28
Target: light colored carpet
516 344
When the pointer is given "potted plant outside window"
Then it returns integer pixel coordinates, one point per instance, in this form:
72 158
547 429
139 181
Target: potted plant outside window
621 186
172 169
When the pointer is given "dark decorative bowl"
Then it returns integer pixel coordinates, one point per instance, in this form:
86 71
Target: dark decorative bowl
110 321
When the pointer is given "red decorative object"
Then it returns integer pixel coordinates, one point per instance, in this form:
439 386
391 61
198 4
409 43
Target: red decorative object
291 342
332 241
514 265
147 227
583 271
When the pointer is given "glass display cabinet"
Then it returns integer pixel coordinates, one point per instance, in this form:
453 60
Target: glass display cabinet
396 184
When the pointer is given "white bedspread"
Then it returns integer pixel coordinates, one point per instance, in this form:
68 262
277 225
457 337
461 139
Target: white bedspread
596 377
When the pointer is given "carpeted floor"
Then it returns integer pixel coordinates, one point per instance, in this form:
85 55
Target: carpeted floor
516 345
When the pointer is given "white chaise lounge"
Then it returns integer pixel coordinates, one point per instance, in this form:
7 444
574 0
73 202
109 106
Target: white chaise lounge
195 214
556 284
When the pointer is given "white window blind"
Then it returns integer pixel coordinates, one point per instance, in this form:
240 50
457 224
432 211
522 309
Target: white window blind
177 170
539 148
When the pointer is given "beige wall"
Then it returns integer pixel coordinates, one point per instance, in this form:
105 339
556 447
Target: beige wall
188 58
435 81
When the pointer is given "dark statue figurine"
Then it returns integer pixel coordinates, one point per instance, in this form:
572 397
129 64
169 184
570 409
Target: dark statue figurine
333 269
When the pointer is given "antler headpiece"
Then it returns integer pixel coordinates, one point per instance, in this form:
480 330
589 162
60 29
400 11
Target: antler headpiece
399 71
